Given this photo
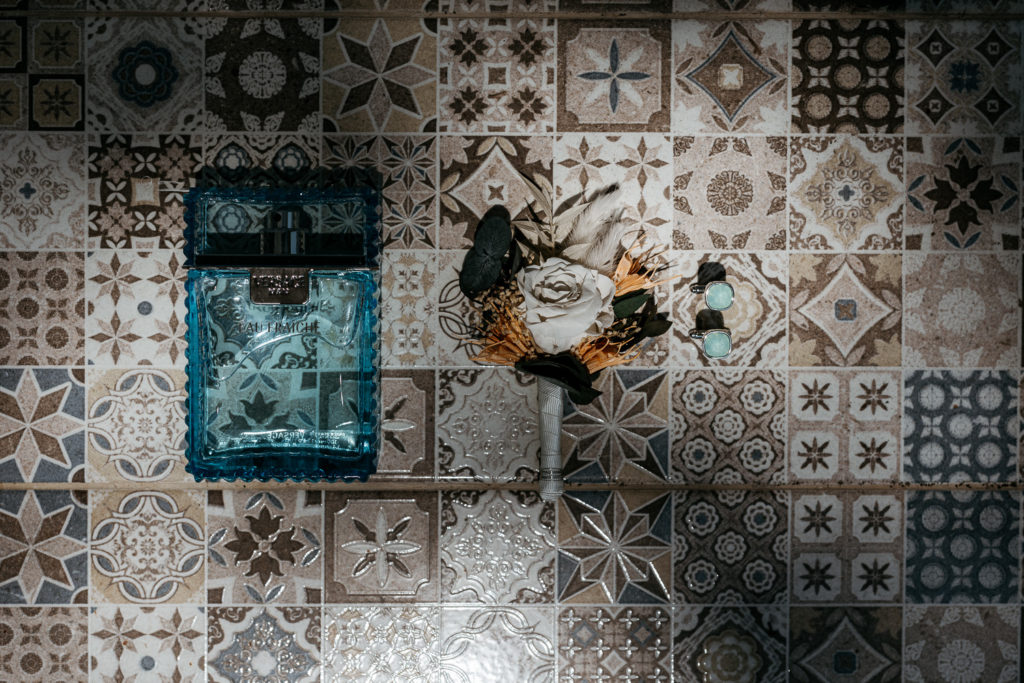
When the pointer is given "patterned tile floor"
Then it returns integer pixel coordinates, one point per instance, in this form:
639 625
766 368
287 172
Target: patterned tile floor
860 181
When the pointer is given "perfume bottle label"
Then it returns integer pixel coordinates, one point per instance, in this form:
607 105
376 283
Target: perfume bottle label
254 327
279 286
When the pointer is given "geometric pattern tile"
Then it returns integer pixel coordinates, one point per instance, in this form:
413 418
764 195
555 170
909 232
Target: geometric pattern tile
264 644
961 643
963 193
44 643
452 317
730 77
960 425
963 547
267 158
136 643
381 642
845 643
847 193
407 426
729 193
962 310
729 643
596 643
963 77
408 281
844 309
497 644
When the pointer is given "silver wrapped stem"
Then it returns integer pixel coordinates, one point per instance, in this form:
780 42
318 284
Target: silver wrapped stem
549 400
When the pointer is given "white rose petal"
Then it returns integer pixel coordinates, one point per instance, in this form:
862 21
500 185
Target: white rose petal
565 302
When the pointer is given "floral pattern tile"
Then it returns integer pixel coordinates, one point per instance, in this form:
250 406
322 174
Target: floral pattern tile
13 101
137 425
962 193
847 193
496 76
846 547
730 76
409 280
963 547
756 318
43 547
380 547
715 184
127 567
44 642
961 643
42 191
614 76
42 424
136 189
407 426
133 643
962 310
730 547
859 643
615 547
136 308
524 637
602 642
381 643
960 426
254 66
487 425
848 76
264 547
844 425
271 643
379 75
43 307
741 643
409 193
259 158
963 77
145 74
728 426
845 309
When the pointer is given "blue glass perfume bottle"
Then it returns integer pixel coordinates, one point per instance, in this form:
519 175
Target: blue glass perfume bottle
283 334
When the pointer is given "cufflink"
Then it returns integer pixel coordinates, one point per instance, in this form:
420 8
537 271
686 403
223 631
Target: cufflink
714 343
718 295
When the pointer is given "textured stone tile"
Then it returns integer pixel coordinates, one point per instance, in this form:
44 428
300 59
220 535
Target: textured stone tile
381 642
407 427
524 637
270 642
44 642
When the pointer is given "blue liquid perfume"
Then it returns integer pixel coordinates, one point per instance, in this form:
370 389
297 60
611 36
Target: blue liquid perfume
283 334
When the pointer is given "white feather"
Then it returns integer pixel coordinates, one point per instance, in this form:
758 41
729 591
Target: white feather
594 235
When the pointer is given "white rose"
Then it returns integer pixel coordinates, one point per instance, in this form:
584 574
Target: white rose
565 302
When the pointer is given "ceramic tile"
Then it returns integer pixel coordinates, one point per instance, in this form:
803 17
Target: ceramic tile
456 319
487 425
615 547
268 643
728 426
56 102
961 643
55 45
409 195
730 547
259 158
847 547
960 426
963 193
729 643
847 193
379 75
614 76
524 637
13 102
407 426
965 6
42 191
480 172
962 310
43 547
497 547
380 547
144 74
847 76
42 424
855 643
845 309
729 193
844 425
381 643
44 642
42 304
142 643
128 567
963 546
730 76
963 77
137 426
757 317
409 282
264 547
136 189
136 308
640 164
623 435
254 66
597 643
